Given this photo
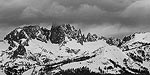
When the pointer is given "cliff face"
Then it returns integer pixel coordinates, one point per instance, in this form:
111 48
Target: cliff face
34 50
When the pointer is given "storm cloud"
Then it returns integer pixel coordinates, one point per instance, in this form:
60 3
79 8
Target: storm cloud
83 11
120 15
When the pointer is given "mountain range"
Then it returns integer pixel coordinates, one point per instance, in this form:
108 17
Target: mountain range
64 50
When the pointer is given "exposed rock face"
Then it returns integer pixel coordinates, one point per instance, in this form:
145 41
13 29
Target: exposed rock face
91 38
34 50
24 34
57 34
114 41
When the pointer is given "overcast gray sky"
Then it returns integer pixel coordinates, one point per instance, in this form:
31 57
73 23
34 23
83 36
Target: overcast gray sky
103 17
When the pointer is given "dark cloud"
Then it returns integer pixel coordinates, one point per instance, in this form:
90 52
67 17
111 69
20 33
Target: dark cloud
83 11
108 5
86 13
138 12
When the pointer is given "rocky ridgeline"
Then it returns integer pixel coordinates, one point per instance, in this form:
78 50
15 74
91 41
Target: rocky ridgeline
94 54
56 34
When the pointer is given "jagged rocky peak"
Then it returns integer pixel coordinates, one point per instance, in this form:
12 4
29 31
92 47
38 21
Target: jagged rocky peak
19 38
113 41
22 35
57 34
91 38
60 32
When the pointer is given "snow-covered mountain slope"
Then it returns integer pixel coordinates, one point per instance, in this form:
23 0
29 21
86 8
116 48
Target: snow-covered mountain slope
3 45
137 47
137 37
34 50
